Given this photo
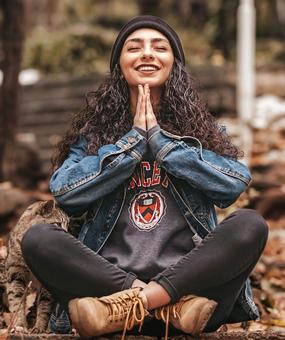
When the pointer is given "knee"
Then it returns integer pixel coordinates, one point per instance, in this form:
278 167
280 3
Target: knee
35 240
250 228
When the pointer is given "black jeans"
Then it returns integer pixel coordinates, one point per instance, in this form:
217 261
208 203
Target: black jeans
216 269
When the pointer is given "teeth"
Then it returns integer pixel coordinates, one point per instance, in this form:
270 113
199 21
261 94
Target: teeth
147 68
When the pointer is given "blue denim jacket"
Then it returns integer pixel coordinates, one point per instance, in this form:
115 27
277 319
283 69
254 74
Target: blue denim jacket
97 184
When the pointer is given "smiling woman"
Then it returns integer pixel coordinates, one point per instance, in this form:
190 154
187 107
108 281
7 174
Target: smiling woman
146 58
147 162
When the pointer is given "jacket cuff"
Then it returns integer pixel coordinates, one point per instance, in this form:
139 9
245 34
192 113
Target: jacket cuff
133 142
141 131
158 143
151 131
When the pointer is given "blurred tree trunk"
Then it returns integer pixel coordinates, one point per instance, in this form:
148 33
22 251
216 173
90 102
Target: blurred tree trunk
40 13
191 12
280 9
226 27
149 7
12 42
200 15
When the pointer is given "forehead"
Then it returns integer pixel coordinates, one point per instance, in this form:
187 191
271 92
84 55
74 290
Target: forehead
146 34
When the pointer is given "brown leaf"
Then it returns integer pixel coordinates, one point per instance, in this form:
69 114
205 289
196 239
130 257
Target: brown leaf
256 326
276 273
278 322
7 318
280 302
4 334
233 327
279 283
3 252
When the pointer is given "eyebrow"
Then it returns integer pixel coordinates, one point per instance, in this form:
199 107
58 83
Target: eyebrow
139 40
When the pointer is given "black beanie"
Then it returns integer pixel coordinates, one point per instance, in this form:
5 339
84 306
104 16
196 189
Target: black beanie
146 21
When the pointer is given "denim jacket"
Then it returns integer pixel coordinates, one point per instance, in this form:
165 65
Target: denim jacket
97 184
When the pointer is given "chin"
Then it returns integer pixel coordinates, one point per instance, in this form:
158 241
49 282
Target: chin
142 81
151 82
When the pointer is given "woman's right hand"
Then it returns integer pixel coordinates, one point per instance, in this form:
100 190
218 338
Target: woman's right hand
140 117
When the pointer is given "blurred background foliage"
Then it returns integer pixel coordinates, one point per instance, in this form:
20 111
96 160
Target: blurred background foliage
75 37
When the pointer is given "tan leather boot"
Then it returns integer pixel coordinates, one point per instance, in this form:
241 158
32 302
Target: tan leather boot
190 314
108 314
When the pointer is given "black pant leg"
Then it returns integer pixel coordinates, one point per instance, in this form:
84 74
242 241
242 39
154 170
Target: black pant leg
219 266
67 268
226 296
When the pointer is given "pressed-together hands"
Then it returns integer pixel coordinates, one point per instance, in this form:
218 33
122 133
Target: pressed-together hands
144 117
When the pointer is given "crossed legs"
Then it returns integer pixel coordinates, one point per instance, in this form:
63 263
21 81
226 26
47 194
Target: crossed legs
216 269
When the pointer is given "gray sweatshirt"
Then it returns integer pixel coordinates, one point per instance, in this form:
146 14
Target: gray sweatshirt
151 233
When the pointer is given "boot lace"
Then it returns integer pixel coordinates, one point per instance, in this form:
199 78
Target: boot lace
130 307
163 313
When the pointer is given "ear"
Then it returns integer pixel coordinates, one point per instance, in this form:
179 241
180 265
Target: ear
47 207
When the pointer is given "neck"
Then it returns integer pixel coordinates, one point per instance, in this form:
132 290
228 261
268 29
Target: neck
155 94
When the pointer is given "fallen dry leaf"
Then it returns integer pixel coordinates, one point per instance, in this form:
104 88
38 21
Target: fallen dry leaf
7 318
256 326
3 334
3 252
279 283
233 327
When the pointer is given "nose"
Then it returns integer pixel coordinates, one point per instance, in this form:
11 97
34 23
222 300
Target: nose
147 53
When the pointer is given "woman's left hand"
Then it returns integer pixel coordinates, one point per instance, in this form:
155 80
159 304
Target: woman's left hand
151 120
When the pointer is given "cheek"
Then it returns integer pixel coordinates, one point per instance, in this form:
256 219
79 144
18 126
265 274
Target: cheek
168 62
128 75
168 69
126 67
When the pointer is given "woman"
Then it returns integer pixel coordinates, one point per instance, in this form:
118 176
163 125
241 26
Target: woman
147 162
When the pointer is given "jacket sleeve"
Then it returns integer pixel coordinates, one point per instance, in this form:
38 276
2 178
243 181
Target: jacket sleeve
82 178
220 178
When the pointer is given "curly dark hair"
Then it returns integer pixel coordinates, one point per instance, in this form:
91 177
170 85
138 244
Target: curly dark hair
107 116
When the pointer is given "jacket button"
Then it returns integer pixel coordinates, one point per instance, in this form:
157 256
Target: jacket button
131 139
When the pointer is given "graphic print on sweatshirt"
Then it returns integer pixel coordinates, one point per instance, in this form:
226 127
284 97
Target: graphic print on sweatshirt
147 203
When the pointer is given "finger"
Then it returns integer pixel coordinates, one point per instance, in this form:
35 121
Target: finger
141 90
143 104
139 101
139 118
146 89
149 108
150 116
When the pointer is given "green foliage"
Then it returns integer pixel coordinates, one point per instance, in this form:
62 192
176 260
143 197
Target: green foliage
78 50
92 12
81 35
80 39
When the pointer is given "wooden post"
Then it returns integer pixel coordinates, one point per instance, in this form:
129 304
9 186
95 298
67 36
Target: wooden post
12 39
246 72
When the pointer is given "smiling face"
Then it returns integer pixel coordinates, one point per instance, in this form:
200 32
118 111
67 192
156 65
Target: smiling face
146 58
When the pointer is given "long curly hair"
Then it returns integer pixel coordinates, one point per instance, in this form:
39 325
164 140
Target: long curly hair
107 116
